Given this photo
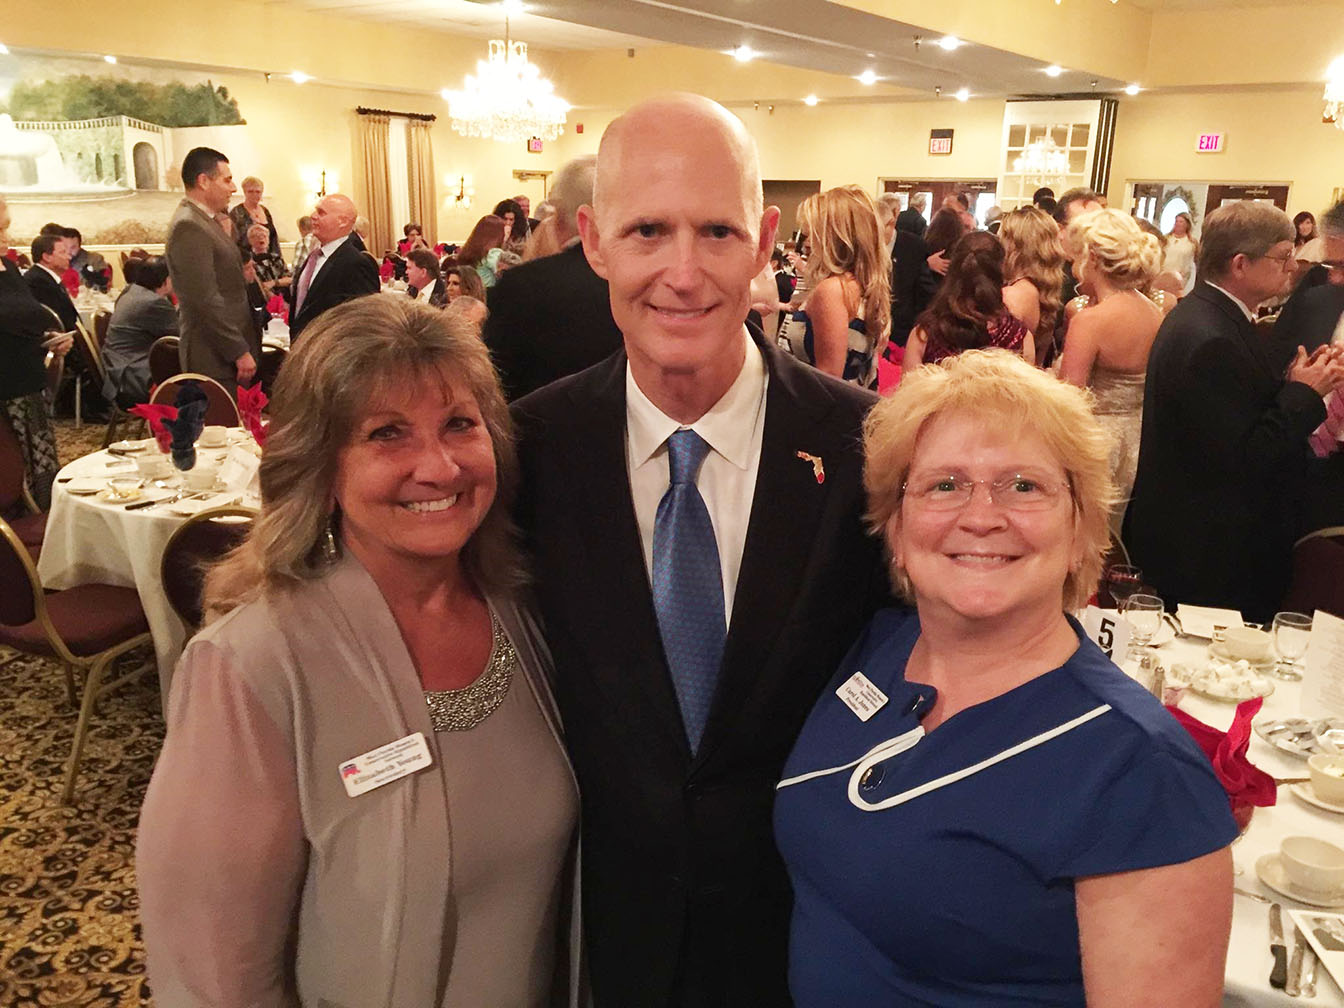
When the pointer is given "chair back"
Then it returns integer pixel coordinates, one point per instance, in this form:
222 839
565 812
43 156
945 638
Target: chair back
1318 574
196 544
20 589
101 320
163 360
222 410
272 359
13 468
87 348
56 324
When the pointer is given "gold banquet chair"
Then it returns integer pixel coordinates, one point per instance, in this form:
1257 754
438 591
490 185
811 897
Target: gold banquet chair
222 411
194 545
84 628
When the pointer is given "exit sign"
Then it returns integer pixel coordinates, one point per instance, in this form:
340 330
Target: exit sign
940 141
1210 143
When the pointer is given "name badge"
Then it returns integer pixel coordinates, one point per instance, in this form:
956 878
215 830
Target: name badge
385 764
861 696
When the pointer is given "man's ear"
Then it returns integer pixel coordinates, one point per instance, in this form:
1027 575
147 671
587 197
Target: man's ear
586 218
769 229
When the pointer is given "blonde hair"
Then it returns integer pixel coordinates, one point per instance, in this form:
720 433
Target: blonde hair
841 225
1007 393
349 358
1112 243
251 180
1032 251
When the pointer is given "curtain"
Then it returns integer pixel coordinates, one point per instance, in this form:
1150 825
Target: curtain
376 203
424 196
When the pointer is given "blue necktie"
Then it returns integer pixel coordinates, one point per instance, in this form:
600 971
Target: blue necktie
688 585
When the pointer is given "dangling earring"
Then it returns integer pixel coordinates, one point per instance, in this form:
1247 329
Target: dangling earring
327 543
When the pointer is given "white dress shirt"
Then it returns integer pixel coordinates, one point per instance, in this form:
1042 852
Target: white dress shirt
727 479
325 257
1250 315
426 292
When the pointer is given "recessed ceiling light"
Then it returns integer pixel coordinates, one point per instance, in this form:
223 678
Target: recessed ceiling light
867 77
1053 70
962 95
744 54
109 59
1132 89
810 100
299 77
949 42
513 6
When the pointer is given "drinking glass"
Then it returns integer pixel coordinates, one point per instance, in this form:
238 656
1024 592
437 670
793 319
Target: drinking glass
1122 581
1292 634
1143 613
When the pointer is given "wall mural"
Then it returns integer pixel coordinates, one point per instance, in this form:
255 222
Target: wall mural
99 146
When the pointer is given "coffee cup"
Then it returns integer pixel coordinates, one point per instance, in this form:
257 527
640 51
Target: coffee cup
1250 643
202 476
1327 777
152 465
125 487
214 437
1313 864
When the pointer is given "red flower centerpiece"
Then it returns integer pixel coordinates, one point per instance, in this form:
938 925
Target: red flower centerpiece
1246 786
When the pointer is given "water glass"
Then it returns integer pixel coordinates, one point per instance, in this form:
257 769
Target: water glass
1143 613
1292 634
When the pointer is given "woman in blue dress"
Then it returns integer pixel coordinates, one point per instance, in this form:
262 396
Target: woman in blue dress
981 809
846 319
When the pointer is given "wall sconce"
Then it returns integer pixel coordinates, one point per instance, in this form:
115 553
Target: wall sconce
1334 94
462 191
319 181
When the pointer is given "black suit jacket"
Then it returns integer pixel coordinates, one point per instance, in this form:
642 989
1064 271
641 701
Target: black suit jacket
911 221
686 900
47 290
1307 320
1221 461
549 318
437 299
350 273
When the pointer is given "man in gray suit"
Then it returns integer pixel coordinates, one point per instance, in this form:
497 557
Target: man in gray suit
218 339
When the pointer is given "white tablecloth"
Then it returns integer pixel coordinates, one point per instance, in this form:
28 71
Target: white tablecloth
88 540
1248 957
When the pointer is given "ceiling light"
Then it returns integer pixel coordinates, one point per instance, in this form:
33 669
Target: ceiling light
1132 89
109 59
867 77
4 49
512 6
299 77
810 100
507 99
744 54
1053 70
949 42
962 95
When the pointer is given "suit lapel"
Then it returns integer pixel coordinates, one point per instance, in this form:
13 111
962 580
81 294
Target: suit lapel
1255 344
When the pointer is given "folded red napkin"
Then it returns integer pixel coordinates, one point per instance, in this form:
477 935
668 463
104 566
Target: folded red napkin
386 270
154 414
1245 784
71 280
251 401
278 308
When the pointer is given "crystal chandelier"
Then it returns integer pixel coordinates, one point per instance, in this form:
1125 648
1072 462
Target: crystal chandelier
507 99
1334 94
1042 160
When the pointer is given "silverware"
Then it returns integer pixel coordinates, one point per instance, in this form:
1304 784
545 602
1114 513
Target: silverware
1293 988
1278 976
1251 895
1280 781
1309 973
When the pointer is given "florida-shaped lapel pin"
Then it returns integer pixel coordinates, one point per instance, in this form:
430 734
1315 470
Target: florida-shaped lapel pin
818 470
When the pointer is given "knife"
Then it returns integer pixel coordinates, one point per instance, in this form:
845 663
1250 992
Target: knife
1309 974
1278 977
1294 986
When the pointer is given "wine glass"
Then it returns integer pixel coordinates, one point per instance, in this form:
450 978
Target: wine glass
1143 613
1292 634
1122 580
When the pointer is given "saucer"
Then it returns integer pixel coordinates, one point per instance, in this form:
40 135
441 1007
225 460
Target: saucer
83 485
1270 869
109 497
127 447
1309 795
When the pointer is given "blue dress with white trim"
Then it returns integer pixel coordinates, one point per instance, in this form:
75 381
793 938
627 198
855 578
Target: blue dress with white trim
939 871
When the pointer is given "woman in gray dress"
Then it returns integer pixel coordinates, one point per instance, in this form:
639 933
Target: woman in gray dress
363 798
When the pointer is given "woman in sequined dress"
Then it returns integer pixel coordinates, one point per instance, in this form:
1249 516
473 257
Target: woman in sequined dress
363 797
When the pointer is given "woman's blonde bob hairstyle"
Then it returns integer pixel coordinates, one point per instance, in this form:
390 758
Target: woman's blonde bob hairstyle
350 359
841 225
1006 393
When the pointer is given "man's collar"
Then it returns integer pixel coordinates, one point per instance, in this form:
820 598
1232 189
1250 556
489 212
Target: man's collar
52 273
334 244
728 427
1250 315
200 206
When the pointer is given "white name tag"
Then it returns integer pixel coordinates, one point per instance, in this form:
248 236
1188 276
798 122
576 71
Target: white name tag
1108 630
385 764
861 696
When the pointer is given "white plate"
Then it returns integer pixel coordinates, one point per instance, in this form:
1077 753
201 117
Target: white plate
1270 869
85 485
1309 795
188 506
1212 688
108 497
1264 665
128 447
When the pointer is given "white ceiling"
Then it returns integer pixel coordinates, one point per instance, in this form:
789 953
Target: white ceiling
1190 5
809 34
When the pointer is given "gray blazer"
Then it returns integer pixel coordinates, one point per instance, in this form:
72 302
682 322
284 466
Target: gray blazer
261 882
139 318
207 274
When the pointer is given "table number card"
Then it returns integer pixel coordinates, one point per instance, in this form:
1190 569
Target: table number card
1323 681
1108 630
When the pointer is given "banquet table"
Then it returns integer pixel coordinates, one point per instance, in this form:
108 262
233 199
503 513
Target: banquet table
1248 956
91 540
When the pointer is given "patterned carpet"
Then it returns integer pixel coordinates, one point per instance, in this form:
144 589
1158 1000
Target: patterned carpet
69 928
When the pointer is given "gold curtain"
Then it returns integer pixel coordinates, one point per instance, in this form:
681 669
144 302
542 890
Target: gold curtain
424 195
376 200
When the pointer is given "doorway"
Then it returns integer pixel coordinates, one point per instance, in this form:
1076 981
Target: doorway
982 193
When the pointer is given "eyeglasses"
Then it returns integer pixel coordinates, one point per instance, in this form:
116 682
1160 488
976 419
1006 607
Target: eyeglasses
1285 261
1018 491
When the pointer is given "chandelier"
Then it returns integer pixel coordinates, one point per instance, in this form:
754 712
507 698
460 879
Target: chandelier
507 99
1334 94
1042 160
